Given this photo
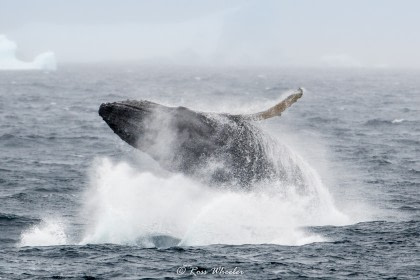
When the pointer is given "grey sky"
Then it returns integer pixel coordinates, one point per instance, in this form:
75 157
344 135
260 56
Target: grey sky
352 33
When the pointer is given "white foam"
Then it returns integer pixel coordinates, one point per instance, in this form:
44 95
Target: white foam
49 232
8 61
398 121
126 206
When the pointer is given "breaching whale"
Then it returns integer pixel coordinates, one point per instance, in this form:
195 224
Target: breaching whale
217 148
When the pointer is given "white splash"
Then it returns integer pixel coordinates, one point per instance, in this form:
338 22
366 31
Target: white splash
48 233
8 61
398 121
127 206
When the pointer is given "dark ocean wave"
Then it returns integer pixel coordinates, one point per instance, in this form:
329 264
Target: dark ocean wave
380 161
384 122
408 142
7 136
31 137
409 208
23 197
12 219
377 122
323 120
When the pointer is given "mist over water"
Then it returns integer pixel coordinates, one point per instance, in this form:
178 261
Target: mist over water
211 32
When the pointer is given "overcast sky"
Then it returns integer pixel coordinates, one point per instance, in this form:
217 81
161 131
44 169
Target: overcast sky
352 33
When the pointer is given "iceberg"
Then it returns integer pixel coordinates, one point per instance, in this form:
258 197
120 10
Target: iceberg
8 61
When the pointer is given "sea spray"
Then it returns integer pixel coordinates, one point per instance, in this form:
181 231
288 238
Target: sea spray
124 204
49 232
128 206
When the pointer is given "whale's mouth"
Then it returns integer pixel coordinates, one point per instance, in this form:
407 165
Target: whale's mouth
107 109
124 119
133 120
126 113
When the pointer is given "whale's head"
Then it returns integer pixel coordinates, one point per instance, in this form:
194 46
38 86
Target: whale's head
129 119
174 136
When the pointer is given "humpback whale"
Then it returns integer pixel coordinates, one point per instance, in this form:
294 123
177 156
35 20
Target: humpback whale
223 149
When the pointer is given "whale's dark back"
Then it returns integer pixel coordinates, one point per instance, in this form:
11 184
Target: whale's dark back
219 148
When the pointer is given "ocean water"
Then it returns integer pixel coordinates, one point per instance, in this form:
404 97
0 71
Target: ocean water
76 202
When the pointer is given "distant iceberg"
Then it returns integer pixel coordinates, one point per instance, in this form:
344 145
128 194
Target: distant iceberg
8 61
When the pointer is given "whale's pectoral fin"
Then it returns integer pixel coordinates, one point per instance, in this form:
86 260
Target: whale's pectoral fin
277 109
